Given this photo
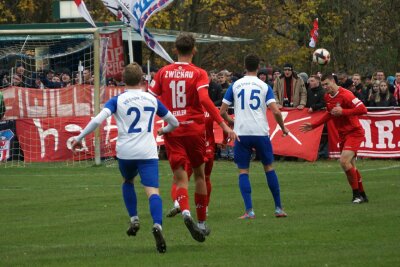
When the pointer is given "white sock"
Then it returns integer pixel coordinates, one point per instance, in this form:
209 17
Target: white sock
134 218
201 225
158 226
176 204
186 213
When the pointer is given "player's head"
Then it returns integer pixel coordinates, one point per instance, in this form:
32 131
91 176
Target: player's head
328 83
251 62
132 74
185 44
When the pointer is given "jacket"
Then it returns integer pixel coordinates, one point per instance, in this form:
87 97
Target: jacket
299 96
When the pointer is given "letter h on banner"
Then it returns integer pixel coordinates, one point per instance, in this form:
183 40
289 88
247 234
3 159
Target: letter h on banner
43 134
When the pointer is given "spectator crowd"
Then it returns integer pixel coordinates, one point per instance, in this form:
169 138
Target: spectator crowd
301 90
291 88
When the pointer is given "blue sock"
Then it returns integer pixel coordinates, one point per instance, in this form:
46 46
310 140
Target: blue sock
273 185
129 195
155 204
245 189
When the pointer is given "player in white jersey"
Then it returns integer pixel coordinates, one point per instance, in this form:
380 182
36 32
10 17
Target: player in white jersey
250 97
134 111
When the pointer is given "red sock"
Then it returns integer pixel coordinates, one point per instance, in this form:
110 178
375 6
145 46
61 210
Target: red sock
183 198
360 185
352 178
209 188
201 205
173 191
208 170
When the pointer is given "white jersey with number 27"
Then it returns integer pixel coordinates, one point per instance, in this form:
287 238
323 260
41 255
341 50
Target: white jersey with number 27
134 112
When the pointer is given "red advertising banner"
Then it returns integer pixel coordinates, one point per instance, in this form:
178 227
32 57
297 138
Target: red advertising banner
77 100
115 54
296 144
49 139
382 135
44 115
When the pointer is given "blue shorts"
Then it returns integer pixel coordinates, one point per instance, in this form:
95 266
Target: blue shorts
243 150
147 169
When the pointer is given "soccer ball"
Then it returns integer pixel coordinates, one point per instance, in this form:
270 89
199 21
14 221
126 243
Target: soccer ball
321 56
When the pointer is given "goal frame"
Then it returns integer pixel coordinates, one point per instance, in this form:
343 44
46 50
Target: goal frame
96 61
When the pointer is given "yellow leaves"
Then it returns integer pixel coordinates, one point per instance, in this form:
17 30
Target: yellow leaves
26 6
6 16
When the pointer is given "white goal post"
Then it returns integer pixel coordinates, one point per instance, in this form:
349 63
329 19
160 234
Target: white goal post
94 59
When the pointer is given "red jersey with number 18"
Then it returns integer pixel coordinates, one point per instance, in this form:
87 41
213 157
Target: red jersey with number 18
177 87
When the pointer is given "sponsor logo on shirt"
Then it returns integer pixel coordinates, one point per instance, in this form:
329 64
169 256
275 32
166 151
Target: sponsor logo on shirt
178 113
178 74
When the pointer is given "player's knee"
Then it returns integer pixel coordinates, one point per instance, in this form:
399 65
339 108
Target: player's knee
268 168
344 162
152 192
128 181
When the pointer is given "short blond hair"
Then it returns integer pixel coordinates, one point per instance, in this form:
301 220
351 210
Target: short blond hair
132 74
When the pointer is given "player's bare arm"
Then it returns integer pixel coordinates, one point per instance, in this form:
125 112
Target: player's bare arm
232 136
224 113
305 127
278 117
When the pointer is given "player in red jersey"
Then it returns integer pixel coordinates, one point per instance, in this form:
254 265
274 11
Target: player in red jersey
343 108
210 153
182 87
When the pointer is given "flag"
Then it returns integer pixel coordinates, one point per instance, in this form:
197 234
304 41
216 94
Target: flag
136 13
5 144
314 34
84 12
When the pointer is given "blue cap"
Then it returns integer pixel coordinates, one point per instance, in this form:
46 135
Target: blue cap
390 80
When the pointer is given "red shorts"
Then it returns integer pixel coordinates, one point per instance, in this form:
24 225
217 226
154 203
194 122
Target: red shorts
351 142
182 148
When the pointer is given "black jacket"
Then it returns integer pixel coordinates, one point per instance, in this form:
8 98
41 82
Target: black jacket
215 93
386 103
315 98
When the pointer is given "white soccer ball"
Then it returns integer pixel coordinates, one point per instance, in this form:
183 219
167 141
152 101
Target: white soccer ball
321 56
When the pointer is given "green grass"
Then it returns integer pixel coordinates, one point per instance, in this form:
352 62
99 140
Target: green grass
74 216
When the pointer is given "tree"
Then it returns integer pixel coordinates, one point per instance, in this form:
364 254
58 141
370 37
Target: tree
362 35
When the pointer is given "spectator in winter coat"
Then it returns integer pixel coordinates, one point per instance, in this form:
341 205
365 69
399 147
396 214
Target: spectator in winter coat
315 94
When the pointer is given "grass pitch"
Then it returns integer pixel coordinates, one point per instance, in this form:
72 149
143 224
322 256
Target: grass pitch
74 216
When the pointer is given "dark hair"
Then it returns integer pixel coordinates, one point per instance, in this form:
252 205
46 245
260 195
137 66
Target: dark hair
327 76
347 84
316 77
185 43
251 62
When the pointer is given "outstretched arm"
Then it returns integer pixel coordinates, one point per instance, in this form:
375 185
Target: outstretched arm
308 126
213 111
90 127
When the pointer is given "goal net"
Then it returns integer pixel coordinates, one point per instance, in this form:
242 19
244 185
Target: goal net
52 83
